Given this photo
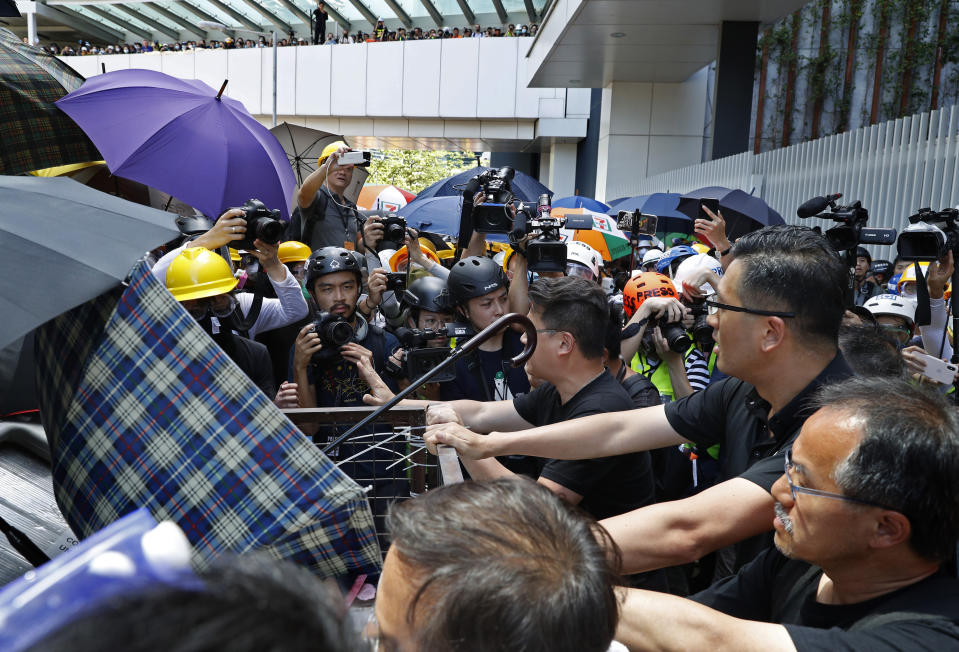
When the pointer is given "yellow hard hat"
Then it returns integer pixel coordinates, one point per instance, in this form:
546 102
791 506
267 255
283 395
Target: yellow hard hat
910 275
400 257
198 273
329 149
292 251
235 255
700 248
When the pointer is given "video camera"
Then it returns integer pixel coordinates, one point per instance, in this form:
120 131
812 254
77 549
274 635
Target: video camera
545 250
929 236
851 231
334 331
261 224
493 215
421 358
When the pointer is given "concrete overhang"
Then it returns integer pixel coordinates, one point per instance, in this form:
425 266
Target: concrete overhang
591 43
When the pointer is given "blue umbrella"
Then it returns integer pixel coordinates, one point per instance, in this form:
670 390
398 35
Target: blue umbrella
439 215
660 204
580 202
742 212
524 186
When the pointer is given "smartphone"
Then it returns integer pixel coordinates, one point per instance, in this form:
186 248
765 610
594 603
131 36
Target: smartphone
711 204
938 370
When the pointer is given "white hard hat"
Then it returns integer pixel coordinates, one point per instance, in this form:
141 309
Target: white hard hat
582 254
693 265
652 256
891 304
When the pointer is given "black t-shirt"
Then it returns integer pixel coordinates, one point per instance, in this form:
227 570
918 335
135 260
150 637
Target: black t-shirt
752 444
487 364
609 485
775 589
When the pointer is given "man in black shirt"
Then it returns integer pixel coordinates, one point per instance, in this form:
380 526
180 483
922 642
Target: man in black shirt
867 510
319 23
568 312
776 320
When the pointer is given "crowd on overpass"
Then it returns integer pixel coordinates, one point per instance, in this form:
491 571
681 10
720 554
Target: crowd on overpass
85 48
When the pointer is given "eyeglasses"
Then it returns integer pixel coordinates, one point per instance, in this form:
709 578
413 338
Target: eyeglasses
793 489
900 333
714 306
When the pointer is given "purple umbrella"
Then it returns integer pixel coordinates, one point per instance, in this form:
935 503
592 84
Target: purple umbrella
181 137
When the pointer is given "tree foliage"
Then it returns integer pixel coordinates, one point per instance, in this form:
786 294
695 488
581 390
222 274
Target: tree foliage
414 170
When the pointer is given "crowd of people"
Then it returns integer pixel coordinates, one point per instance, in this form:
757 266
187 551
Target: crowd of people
725 448
319 36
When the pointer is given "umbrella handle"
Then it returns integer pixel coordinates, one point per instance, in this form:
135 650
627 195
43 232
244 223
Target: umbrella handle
512 318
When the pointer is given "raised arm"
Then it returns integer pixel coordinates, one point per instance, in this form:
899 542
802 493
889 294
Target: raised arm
600 435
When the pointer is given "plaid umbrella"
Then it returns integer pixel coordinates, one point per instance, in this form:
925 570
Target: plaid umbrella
142 409
34 132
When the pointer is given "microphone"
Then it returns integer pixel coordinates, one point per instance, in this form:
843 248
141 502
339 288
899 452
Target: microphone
472 187
519 226
816 205
405 336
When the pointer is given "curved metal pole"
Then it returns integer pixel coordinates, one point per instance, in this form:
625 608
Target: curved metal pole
461 350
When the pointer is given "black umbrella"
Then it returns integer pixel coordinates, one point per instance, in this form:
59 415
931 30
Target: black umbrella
62 244
742 212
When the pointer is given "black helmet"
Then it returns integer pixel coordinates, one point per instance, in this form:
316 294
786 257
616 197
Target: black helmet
428 293
473 277
330 260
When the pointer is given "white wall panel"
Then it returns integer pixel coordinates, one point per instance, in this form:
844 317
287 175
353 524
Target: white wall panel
149 61
178 64
495 73
112 62
421 75
210 66
245 73
458 87
285 80
313 79
384 79
348 79
89 66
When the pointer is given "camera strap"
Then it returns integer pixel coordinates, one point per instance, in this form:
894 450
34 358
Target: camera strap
923 310
241 323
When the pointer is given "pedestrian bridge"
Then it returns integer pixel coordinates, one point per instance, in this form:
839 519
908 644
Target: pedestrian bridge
453 94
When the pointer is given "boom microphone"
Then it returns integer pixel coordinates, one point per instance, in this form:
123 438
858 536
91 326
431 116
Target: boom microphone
816 205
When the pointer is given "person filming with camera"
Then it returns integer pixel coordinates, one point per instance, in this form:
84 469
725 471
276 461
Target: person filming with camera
327 352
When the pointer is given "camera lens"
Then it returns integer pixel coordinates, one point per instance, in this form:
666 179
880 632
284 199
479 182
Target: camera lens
339 332
676 337
269 230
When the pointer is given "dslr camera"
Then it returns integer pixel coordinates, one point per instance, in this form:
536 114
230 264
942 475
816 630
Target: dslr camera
396 281
334 331
261 224
493 215
394 232
676 336
929 236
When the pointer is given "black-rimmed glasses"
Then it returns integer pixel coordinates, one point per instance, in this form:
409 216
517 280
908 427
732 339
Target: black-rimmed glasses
714 306
794 489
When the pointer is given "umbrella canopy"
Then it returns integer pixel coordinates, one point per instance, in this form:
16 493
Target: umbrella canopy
662 205
179 136
524 186
8 9
62 243
34 132
303 147
742 212
604 237
143 409
380 197
576 201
